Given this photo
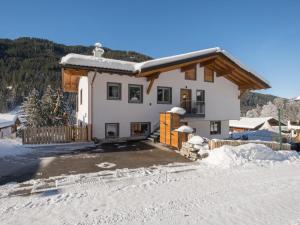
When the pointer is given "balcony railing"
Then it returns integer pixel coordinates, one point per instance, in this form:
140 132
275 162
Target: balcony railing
193 108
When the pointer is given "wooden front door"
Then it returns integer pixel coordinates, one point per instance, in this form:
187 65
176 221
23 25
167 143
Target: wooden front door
186 99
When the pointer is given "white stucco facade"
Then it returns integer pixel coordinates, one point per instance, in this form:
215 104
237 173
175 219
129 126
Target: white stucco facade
221 102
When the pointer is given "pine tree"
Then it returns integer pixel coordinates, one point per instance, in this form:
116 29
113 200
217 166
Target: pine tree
47 106
61 110
31 109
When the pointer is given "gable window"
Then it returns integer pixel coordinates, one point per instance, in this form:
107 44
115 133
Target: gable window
164 95
200 103
215 127
80 97
113 91
140 129
208 75
190 74
135 93
111 130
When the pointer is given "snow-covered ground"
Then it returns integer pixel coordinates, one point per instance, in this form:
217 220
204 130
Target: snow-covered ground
12 147
248 184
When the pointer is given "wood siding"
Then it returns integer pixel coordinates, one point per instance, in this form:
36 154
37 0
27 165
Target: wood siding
168 123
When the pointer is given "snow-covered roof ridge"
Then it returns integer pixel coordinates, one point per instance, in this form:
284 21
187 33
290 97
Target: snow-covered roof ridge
248 122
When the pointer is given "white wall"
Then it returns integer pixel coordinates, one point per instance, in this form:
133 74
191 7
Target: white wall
203 128
82 114
221 99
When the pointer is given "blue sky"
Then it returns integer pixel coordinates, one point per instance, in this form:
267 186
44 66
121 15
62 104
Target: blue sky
265 35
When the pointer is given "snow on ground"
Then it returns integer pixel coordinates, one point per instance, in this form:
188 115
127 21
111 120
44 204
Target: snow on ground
228 156
192 193
12 147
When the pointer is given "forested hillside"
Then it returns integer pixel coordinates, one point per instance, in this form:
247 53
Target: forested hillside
27 63
251 99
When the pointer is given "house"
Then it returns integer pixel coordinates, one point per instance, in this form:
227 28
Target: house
122 100
256 123
8 124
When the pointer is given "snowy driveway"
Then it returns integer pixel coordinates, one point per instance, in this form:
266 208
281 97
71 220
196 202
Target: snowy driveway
45 164
182 194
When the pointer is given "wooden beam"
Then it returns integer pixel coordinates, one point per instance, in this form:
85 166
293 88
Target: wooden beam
154 75
189 67
151 80
207 62
242 92
225 72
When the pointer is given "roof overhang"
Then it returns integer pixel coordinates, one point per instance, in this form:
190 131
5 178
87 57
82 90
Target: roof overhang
221 64
215 59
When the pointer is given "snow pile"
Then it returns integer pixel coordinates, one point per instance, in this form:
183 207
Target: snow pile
185 129
229 156
178 110
196 140
12 147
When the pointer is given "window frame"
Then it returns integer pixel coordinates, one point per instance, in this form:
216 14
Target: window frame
131 130
201 102
213 75
219 128
118 130
142 93
170 94
120 91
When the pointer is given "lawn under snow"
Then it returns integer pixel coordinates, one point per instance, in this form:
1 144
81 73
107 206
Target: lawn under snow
249 184
12 147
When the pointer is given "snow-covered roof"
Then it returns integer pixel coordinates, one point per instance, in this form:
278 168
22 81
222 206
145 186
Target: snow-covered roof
296 99
7 119
174 58
92 61
100 62
249 123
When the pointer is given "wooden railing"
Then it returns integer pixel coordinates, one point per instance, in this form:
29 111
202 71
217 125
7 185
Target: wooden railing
51 135
215 143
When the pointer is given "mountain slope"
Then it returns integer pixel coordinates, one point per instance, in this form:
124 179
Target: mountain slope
250 99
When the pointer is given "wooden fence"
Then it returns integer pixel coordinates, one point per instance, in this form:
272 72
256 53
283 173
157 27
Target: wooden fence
51 135
273 145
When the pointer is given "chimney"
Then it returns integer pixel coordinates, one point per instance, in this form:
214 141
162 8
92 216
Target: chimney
98 51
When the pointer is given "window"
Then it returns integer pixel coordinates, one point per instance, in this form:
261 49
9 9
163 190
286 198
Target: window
164 95
111 130
135 93
190 74
208 75
200 102
80 96
215 127
140 129
113 91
